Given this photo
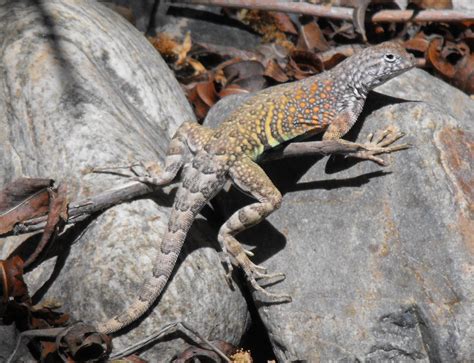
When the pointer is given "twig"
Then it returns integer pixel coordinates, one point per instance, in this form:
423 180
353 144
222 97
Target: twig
169 329
336 12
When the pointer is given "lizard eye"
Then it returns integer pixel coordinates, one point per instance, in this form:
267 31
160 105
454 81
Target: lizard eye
389 57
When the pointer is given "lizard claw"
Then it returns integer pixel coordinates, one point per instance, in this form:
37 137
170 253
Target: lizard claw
229 268
378 143
255 272
249 253
234 253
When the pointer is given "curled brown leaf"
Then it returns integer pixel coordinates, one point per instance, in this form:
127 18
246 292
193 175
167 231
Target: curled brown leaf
274 71
232 89
82 342
418 44
207 92
436 59
312 38
195 97
303 64
243 69
454 61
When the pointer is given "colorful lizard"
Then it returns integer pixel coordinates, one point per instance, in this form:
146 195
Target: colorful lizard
329 102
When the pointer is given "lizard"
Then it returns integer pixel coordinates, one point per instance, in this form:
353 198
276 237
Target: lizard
327 103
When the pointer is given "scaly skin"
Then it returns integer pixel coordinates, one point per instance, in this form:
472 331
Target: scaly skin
329 102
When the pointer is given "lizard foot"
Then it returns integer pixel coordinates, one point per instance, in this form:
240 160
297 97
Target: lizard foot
142 171
378 143
149 172
235 254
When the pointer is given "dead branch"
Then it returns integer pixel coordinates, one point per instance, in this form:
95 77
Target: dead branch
78 211
340 13
172 328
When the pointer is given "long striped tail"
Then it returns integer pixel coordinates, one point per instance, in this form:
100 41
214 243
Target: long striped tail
189 201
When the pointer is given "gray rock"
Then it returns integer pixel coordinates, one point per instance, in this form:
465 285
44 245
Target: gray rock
8 338
378 260
91 91
463 5
418 85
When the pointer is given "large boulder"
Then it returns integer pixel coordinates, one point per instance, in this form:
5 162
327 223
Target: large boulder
378 260
81 87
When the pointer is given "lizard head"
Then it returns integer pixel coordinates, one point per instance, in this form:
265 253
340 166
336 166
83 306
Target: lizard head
383 62
374 66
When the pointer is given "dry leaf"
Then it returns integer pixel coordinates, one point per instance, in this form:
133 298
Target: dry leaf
48 352
164 44
454 62
303 64
57 217
183 49
252 84
200 107
437 61
232 89
82 342
418 44
177 54
336 55
312 38
243 69
283 22
207 92
274 71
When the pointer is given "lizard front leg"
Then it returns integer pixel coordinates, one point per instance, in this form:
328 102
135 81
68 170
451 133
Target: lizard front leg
380 143
249 177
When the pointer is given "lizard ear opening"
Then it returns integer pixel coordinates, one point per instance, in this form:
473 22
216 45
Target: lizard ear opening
389 57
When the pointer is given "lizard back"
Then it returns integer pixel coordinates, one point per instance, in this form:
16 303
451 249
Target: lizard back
276 115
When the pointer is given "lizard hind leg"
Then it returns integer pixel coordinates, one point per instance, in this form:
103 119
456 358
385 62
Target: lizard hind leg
188 139
250 178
